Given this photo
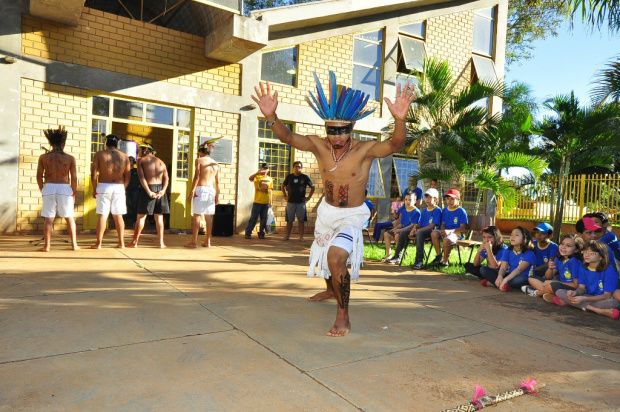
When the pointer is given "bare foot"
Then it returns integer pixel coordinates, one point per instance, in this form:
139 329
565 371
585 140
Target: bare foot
322 296
191 245
206 244
610 313
133 243
75 247
96 246
301 239
44 249
162 246
340 329
120 246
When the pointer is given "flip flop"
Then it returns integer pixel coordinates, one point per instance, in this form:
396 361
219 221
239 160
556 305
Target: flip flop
615 313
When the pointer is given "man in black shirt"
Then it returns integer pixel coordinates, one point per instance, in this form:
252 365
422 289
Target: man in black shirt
294 190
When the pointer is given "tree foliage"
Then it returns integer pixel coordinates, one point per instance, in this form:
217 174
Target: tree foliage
528 21
597 13
250 5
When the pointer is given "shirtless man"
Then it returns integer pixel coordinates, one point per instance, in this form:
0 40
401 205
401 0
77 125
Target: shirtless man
344 164
152 198
57 169
204 194
109 174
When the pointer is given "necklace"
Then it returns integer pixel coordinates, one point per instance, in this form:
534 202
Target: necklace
342 156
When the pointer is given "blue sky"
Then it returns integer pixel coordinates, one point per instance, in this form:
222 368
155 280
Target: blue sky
567 62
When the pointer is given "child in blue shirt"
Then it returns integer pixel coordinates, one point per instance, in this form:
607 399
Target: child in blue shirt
562 272
597 282
491 250
409 218
546 250
429 220
453 225
517 263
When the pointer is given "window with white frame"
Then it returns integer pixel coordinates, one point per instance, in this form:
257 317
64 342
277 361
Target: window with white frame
368 62
280 66
273 152
484 32
404 169
374 186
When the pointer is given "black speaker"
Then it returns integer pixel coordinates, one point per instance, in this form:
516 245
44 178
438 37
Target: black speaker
224 220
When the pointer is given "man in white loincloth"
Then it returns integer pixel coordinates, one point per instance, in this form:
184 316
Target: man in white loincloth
204 194
57 169
344 164
110 173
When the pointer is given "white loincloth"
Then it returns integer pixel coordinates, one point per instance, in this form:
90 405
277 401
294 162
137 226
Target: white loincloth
330 221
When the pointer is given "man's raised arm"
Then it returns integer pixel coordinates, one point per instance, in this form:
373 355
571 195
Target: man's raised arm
268 104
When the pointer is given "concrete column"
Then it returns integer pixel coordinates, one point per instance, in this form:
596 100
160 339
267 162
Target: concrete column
10 90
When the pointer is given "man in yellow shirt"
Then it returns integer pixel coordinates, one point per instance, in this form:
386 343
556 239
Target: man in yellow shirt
263 188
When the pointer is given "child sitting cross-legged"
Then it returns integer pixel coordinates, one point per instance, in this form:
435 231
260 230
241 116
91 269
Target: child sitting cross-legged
597 282
517 263
562 272
546 250
491 250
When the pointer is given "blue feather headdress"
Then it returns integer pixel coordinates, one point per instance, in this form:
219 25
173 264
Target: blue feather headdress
344 103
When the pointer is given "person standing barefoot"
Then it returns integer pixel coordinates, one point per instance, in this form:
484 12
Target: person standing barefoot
344 164
204 194
110 173
57 169
152 198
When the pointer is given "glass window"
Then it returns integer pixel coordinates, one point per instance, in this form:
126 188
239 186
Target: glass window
159 114
364 137
412 54
97 137
125 109
275 153
375 180
404 168
484 31
414 29
184 118
368 62
280 66
183 154
485 68
101 106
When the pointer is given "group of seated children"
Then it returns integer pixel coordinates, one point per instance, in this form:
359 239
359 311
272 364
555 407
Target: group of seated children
580 272
442 227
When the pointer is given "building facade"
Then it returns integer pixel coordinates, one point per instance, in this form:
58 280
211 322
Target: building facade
173 85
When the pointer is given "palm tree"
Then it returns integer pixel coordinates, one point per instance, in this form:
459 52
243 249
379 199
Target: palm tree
596 12
607 84
575 138
457 140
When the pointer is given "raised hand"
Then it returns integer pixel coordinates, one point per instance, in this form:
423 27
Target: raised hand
404 98
266 102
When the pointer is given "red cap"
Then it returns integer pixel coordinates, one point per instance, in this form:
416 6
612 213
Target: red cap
453 193
589 224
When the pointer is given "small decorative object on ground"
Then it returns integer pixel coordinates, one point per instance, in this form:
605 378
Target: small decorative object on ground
482 400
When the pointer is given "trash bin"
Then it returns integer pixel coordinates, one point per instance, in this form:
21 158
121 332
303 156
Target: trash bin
223 220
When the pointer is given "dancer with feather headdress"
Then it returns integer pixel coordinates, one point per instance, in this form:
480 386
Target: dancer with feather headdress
344 164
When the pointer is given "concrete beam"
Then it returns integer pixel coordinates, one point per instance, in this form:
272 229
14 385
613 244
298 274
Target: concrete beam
236 38
60 11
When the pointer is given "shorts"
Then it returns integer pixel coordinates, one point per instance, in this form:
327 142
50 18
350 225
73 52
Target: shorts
452 237
148 206
204 201
296 209
111 198
344 240
57 199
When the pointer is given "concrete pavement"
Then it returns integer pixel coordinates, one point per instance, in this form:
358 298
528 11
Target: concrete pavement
230 329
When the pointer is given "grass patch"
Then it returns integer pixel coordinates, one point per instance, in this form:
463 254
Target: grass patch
377 252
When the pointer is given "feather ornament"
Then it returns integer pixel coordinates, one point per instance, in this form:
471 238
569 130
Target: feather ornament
343 103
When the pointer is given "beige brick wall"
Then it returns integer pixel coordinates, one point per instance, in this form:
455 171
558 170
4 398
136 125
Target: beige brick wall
321 56
44 106
110 42
449 38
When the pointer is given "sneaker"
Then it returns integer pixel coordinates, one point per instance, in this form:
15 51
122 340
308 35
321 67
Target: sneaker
444 264
386 259
470 275
557 301
394 261
436 261
417 266
548 297
261 235
484 282
506 288
529 290
248 236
